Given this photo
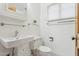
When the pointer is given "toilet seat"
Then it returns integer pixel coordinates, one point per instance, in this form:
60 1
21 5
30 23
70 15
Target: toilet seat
44 49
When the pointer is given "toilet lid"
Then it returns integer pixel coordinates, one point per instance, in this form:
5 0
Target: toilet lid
44 49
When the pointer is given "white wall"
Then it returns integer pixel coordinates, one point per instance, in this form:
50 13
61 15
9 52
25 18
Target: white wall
33 13
62 34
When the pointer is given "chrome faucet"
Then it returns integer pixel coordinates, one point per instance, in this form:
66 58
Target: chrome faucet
16 33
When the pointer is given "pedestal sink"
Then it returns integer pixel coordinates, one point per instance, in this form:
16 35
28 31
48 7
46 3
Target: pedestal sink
13 42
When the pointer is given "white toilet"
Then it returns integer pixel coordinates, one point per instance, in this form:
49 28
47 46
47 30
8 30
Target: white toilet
42 50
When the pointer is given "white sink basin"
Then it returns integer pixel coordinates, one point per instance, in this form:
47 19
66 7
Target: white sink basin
13 42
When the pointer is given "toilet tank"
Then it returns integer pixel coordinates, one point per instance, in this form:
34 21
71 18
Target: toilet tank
36 43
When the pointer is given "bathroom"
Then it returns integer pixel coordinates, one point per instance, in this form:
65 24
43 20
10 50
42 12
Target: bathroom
37 29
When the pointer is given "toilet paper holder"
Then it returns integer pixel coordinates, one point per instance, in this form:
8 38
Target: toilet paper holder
51 38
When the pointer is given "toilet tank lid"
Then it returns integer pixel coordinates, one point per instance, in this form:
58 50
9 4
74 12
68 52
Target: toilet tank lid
44 49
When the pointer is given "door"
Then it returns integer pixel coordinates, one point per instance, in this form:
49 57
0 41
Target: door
63 43
77 30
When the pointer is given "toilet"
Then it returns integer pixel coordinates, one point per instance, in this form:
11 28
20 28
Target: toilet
39 48
44 51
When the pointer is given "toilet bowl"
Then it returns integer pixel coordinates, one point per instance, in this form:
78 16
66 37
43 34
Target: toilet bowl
44 51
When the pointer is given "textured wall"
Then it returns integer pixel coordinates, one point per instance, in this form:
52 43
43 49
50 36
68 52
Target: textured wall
62 34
